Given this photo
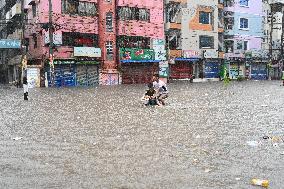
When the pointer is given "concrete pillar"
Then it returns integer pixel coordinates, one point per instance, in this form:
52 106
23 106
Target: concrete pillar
107 35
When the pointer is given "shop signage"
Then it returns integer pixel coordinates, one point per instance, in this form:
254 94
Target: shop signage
64 62
190 54
210 54
136 54
10 44
163 69
87 51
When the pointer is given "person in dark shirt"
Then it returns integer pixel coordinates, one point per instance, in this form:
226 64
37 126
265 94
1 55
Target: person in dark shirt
150 96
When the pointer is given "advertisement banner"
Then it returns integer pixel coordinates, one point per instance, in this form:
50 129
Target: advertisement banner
136 54
87 51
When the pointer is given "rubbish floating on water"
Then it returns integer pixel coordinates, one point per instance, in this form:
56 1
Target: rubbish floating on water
275 139
207 170
275 144
206 94
238 178
282 153
17 138
253 143
264 105
197 136
259 182
265 137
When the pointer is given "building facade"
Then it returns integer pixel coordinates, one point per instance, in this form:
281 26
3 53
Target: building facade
194 32
243 39
10 29
273 35
95 41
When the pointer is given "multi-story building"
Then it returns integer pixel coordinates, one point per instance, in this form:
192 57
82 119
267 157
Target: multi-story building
273 35
10 29
243 38
194 32
95 41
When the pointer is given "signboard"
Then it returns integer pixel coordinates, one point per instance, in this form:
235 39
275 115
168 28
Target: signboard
87 51
164 69
136 54
10 44
33 77
190 54
64 62
210 54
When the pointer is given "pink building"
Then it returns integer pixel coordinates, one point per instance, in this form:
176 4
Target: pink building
96 41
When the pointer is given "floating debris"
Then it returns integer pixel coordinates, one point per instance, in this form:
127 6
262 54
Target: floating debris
17 138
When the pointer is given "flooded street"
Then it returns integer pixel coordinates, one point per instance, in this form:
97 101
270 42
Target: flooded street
207 136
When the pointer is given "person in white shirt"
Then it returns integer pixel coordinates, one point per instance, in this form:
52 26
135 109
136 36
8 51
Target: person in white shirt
161 88
26 89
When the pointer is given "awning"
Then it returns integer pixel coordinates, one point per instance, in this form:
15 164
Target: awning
139 61
88 62
187 59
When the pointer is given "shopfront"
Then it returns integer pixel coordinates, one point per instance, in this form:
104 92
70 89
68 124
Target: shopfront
258 71
64 73
182 68
87 73
137 65
212 69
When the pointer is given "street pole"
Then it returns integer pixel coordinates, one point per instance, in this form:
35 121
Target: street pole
51 64
282 39
23 47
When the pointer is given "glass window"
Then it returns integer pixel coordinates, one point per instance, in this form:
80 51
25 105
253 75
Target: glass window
204 17
245 45
244 3
243 23
109 27
133 13
206 41
109 50
81 8
79 39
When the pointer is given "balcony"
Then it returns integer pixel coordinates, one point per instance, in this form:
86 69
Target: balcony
276 1
173 26
176 1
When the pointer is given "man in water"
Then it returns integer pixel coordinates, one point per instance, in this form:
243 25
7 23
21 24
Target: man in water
161 89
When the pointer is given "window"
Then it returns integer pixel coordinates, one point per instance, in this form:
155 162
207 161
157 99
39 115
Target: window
206 41
34 9
35 41
240 45
204 17
243 23
133 13
244 3
109 27
229 46
133 42
245 45
79 7
79 39
109 50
